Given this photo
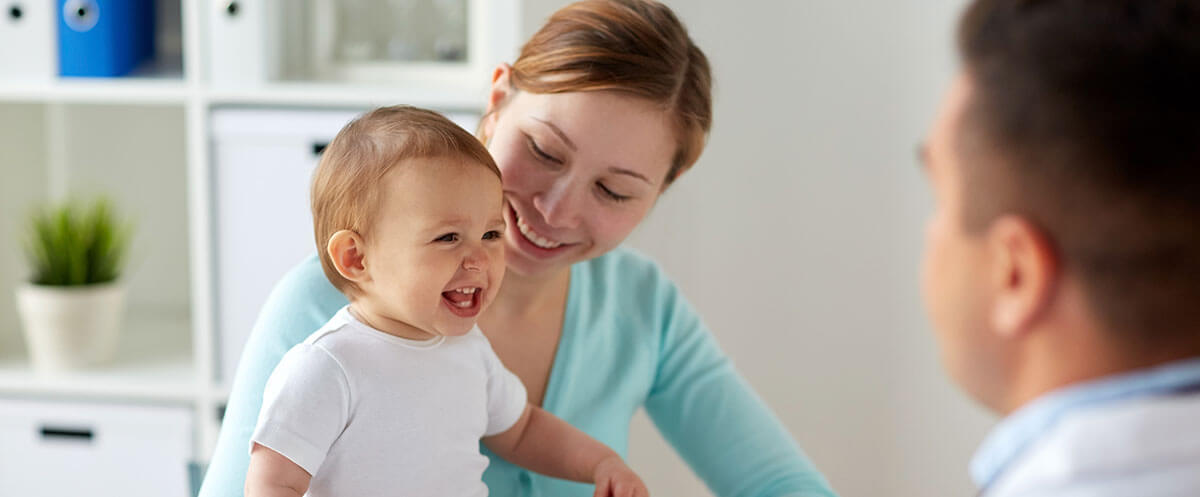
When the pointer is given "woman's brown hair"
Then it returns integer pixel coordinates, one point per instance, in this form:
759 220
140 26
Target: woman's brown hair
638 47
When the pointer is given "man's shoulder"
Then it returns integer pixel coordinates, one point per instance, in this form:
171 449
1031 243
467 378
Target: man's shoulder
1147 446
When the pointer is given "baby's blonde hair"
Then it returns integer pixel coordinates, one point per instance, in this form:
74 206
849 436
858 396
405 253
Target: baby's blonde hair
345 187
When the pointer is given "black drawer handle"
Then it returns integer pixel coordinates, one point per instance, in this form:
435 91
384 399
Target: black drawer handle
58 433
318 147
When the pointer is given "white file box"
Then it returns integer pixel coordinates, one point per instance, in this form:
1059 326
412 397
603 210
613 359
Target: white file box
61 449
28 43
244 41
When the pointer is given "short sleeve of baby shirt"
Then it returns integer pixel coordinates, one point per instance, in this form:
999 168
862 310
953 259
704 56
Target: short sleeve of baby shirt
506 394
305 407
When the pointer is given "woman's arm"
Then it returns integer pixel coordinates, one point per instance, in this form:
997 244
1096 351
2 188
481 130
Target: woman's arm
714 419
548 445
300 303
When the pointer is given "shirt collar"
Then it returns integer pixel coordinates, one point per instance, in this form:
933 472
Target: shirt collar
1016 432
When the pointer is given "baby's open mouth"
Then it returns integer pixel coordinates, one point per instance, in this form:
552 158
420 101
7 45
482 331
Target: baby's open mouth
463 301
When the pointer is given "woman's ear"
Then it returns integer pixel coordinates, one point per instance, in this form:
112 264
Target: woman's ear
346 250
501 87
1025 275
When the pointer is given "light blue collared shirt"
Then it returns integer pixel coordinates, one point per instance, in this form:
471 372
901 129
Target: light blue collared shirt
1018 431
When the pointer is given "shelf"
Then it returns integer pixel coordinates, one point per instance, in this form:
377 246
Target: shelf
317 94
144 91
153 363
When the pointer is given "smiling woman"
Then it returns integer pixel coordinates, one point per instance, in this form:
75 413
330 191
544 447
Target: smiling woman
607 105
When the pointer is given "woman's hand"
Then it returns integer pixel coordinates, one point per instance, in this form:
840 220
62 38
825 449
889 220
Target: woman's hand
614 479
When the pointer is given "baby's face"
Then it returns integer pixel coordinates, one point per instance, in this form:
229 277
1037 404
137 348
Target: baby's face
435 256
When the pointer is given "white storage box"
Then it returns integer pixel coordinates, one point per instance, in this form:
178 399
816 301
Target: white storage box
263 164
28 40
52 449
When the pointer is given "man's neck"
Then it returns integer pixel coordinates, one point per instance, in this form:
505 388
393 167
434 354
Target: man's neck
1054 365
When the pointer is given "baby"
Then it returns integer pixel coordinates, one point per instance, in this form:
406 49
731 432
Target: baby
392 395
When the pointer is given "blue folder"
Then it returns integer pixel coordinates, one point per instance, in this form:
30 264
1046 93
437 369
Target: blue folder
104 38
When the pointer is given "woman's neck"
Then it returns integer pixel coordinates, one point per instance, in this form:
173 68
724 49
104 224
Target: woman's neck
523 296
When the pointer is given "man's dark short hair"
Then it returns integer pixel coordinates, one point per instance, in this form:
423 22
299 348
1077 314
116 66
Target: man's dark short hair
1084 117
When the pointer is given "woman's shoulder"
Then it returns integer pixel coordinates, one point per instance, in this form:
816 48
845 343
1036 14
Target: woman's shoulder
307 275
623 282
306 282
623 270
300 303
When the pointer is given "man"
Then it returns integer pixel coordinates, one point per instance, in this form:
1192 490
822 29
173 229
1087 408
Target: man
1062 265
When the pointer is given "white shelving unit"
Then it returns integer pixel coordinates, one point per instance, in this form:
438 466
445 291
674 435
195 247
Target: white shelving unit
56 138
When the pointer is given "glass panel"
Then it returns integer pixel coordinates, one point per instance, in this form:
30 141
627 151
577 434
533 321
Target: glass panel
400 31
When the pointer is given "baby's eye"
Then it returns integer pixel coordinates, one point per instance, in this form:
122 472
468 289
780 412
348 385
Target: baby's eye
491 235
448 238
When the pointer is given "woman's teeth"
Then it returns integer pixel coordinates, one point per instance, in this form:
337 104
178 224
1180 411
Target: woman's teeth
534 237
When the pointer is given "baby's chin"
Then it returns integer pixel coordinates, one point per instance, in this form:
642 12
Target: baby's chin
454 330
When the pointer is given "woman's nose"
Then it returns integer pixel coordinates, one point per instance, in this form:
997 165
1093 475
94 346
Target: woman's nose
558 205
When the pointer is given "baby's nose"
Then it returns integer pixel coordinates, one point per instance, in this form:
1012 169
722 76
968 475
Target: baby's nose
475 261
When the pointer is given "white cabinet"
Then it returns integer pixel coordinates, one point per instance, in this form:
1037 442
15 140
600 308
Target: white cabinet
262 160
55 449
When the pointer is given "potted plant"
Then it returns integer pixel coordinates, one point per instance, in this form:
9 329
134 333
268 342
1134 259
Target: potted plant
72 305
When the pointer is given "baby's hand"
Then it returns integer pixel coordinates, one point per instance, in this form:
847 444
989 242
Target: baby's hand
615 479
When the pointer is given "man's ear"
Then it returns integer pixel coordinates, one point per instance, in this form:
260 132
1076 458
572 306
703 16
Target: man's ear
1024 276
346 250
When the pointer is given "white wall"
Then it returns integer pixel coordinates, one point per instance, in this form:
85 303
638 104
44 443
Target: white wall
23 184
798 235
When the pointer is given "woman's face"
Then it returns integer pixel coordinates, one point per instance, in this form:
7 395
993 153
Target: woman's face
580 170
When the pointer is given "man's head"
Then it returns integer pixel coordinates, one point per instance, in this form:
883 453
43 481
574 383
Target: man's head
1066 166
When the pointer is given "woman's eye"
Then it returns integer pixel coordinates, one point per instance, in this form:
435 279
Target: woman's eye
491 235
448 238
537 151
611 194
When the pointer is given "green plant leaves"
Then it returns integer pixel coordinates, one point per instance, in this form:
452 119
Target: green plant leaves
73 244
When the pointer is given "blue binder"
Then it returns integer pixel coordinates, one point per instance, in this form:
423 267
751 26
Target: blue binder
104 38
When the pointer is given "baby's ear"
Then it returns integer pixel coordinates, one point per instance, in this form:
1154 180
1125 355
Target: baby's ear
345 249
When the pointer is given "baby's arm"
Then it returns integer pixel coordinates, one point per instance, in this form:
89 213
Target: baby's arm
272 475
541 442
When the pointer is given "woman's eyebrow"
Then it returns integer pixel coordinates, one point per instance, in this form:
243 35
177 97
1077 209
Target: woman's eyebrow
629 172
559 132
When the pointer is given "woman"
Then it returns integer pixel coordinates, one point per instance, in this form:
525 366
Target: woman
607 104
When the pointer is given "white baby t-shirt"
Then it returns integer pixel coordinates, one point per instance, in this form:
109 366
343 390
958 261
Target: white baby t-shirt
371 414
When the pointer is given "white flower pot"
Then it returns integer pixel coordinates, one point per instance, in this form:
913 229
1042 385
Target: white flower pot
70 327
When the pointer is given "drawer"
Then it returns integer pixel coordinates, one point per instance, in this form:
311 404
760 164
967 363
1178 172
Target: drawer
56 449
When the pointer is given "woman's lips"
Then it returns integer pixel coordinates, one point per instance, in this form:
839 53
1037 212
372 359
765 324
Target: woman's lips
531 241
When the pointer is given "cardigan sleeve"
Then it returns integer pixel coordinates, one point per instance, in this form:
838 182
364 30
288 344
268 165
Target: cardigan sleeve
714 419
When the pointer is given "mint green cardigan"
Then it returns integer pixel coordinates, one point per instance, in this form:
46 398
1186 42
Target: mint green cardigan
629 341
